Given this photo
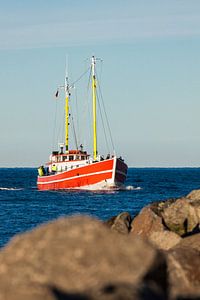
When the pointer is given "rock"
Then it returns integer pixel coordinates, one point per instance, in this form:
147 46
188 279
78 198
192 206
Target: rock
79 258
110 221
124 291
192 242
181 217
196 206
194 200
159 206
146 222
121 223
194 195
164 239
184 273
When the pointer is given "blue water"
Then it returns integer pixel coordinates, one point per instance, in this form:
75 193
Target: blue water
22 206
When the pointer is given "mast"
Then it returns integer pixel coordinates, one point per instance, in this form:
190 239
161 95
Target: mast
67 95
94 106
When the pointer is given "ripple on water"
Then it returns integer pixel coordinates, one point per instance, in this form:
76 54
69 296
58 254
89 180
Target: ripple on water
23 207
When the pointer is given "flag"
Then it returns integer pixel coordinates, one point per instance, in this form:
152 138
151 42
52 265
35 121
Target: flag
57 93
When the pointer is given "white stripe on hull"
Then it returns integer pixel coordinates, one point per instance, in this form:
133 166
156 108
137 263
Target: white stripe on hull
75 177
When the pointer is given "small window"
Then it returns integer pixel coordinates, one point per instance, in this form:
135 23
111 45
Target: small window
71 157
59 158
82 157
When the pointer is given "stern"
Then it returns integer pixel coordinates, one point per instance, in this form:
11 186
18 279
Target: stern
120 171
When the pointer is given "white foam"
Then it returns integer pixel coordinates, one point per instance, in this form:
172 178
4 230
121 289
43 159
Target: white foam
103 186
9 189
131 188
100 186
95 187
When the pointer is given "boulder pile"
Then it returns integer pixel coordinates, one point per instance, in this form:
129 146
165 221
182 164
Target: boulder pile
154 256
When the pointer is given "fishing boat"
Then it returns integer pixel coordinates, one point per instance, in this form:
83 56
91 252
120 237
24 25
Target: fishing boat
76 168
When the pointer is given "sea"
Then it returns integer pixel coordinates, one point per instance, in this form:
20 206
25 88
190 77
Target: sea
23 207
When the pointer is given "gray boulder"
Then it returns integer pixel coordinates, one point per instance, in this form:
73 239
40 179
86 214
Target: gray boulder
194 195
194 200
79 258
146 222
192 242
164 240
120 223
184 273
181 217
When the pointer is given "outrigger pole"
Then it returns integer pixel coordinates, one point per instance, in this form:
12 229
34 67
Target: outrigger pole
94 104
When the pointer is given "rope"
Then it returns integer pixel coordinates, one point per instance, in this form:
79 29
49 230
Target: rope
77 118
63 129
79 78
73 125
54 127
104 130
86 116
106 117
73 128
74 133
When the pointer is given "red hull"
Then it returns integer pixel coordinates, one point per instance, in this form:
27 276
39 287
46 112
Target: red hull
111 172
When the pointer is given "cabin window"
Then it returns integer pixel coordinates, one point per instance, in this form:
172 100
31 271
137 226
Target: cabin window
71 157
82 157
77 156
54 159
65 158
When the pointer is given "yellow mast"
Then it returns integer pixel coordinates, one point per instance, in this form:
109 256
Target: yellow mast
67 120
67 96
94 109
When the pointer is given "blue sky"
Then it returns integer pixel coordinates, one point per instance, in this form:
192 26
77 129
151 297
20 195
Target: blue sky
150 75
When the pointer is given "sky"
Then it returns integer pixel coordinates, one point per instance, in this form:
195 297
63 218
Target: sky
150 76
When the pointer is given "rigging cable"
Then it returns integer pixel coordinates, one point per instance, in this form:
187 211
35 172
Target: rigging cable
61 132
77 118
79 78
73 128
100 110
54 127
106 117
86 111
104 130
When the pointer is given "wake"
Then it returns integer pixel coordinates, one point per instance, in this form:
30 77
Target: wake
131 188
9 189
107 188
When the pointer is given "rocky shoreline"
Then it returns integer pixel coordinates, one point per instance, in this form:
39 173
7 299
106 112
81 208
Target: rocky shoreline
155 255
